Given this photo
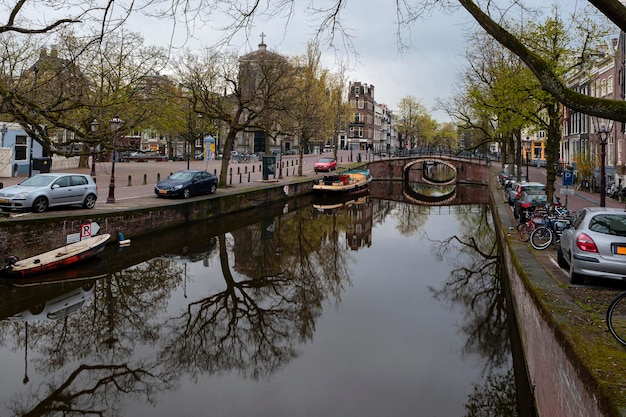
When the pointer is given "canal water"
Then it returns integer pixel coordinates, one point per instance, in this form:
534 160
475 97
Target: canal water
360 307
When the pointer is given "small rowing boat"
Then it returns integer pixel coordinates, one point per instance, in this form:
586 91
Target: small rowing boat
55 259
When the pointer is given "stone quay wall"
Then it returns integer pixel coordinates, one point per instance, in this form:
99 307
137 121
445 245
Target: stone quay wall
38 234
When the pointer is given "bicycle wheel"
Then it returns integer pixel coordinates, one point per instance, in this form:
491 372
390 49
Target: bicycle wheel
541 238
524 230
616 318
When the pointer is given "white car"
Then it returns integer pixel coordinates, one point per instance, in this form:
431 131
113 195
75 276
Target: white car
58 307
50 190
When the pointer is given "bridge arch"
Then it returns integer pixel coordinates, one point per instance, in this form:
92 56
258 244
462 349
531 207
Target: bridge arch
425 166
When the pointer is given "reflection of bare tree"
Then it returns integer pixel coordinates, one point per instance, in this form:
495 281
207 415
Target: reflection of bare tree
85 390
410 218
476 283
495 398
106 331
253 325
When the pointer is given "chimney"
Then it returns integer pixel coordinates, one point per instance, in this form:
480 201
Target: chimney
43 52
54 51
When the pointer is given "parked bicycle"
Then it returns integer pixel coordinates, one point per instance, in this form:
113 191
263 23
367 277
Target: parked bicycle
616 318
544 236
535 219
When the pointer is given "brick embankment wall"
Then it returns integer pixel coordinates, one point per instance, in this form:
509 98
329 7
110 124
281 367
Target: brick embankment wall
556 376
38 233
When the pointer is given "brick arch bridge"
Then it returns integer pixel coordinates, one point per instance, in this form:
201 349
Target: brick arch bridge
396 175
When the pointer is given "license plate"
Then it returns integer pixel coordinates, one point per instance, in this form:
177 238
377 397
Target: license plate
4 201
619 250
162 191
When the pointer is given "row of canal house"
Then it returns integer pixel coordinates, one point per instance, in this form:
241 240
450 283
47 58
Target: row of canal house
602 75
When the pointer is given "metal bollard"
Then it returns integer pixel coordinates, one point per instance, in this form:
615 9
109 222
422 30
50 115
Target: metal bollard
158 176
130 181
145 179
248 177
240 178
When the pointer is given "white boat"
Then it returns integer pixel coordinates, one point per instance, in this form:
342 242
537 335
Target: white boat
346 182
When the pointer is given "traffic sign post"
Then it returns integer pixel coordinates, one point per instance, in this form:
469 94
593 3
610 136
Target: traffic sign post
568 180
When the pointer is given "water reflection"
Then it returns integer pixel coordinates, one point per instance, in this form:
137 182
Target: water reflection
242 296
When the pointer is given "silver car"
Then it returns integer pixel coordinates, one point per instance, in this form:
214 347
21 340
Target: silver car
595 245
50 190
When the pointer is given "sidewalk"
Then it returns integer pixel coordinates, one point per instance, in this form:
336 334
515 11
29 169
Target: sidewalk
134 181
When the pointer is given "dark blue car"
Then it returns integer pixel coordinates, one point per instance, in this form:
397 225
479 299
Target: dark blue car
186 183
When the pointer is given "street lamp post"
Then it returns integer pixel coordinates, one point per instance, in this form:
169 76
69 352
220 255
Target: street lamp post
3 131
527 144
603 135
115 124
94 129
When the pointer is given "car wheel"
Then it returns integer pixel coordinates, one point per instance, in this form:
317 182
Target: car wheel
186 193
213 189
90 201
40 204
574 277
560 259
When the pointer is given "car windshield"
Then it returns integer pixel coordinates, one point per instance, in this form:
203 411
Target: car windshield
536 188
38 181
325 160
182 176
609 224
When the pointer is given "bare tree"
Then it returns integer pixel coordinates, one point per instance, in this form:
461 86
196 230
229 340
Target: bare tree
238 94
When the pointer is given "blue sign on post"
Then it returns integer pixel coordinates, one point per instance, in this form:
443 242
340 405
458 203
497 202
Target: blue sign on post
568 178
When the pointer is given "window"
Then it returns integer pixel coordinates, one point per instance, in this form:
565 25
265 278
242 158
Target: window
357 90
360 104
63 182
20 148
79 180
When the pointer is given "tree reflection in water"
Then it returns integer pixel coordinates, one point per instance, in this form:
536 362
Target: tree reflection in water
277 273
475 283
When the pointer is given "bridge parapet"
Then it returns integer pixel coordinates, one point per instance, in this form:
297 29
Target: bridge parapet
472 171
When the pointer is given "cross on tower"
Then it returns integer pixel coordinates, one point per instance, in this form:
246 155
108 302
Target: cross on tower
263 35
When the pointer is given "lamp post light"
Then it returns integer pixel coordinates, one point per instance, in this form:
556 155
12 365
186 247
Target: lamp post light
115 123
527 145
603 135
94 129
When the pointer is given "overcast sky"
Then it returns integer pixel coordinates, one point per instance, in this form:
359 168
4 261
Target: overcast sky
427 72
430 71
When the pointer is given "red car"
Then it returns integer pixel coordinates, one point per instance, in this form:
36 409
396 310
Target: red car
326 164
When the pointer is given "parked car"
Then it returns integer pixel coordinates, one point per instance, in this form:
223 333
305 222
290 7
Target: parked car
515 192
41 191
511 183
594 245
325 164
186 183
527 203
